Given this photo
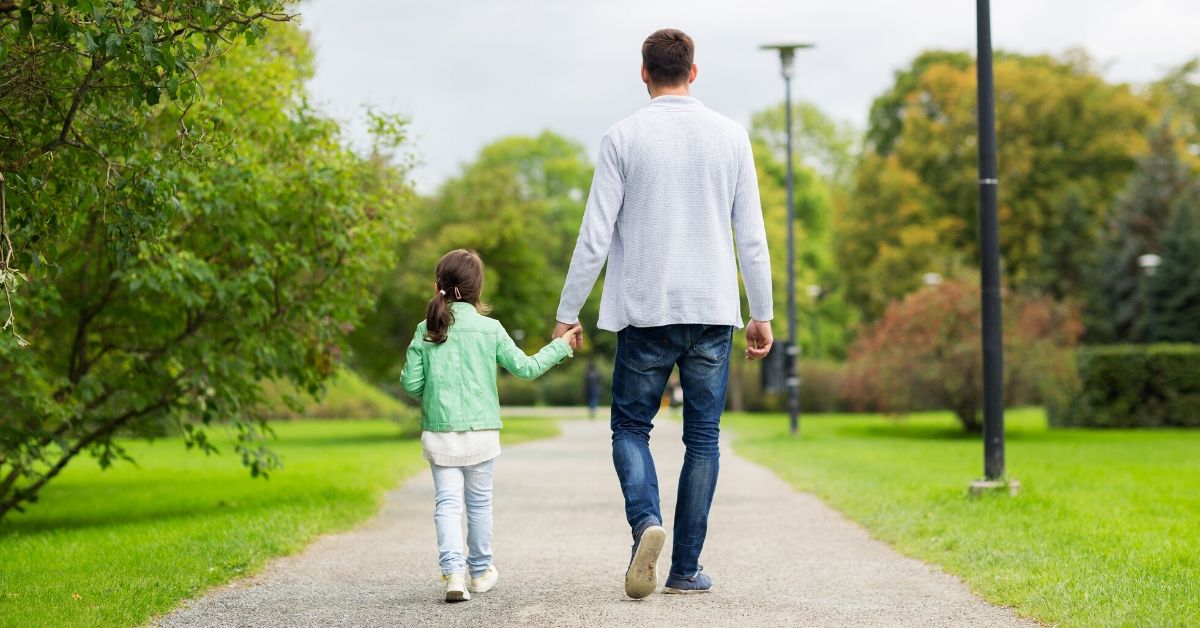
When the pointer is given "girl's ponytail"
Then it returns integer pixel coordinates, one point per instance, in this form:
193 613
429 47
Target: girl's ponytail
438 319
458 277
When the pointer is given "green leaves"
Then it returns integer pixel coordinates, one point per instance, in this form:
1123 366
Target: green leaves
192 250
1067 143
25 23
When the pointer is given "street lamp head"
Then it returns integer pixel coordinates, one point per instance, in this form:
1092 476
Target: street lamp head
787 52
1149 262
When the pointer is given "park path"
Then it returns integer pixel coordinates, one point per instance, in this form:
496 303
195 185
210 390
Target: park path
777 557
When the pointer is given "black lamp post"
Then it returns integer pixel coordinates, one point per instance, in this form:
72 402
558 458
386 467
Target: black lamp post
989 266
787 53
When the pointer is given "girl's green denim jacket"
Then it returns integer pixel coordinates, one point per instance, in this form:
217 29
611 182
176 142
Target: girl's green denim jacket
456 380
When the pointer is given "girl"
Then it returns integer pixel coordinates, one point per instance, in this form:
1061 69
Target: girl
451 368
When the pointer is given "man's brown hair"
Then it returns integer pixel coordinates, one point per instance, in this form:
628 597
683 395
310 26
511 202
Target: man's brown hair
667 55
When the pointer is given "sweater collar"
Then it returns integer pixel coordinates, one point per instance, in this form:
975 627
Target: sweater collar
672 101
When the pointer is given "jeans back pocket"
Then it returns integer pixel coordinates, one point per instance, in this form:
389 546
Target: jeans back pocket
645 348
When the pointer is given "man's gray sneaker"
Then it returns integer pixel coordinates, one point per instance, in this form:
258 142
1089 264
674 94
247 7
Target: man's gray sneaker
641 579
698 583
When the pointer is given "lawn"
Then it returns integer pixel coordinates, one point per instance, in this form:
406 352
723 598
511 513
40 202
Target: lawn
1106 530
117 548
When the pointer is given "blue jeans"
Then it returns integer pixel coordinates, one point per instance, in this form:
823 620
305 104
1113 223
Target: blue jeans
452 487
645 358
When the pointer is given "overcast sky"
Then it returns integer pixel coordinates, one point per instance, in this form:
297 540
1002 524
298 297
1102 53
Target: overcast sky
469 72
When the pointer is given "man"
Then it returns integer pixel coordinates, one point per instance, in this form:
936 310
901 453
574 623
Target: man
674 189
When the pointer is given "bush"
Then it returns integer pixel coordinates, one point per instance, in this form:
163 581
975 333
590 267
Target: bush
925 352
517 392
820 388
563 386
347 396
1133 386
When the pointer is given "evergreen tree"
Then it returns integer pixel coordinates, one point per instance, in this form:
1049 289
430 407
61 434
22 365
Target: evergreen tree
1175 288
1117 311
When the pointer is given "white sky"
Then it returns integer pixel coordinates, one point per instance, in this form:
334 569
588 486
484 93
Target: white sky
469 72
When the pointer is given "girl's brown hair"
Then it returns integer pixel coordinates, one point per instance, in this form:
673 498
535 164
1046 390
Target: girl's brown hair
459 277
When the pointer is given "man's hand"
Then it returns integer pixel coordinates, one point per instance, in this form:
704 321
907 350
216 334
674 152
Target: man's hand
575 339
572 336
758 339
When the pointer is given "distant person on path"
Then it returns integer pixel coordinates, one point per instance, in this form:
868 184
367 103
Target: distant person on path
591 388
451 368
674 190
674 392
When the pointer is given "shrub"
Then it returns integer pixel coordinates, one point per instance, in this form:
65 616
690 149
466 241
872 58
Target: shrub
1134 386
347 396
925 352
820 388
563 386
516 392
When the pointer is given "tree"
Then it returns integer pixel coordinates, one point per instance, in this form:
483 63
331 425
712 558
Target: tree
519 204
924 352
824 145
178 251
822 162
1177 96
1067 142
1175 287
74 75
1117 308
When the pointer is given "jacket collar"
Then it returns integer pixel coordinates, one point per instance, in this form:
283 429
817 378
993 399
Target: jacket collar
461 306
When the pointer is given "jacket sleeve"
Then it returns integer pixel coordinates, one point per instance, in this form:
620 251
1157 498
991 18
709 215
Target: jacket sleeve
751 238
413 376
595 234
514 360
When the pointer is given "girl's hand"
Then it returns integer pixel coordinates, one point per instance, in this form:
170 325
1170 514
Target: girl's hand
574 336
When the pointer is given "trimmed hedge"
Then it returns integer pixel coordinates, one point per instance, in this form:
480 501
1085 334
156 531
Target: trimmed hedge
1134 386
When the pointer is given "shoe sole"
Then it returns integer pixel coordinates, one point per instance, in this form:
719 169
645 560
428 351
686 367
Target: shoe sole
671 591
457 596
641 579
489 587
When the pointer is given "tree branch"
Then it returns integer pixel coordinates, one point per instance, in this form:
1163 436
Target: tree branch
98 62
13 500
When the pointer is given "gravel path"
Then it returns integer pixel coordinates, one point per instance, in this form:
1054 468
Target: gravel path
777 557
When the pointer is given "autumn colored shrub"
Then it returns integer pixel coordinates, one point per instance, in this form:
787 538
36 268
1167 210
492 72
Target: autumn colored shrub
925 352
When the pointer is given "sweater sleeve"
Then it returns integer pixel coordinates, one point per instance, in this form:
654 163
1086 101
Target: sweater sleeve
595 234
751 238
413 376
527 367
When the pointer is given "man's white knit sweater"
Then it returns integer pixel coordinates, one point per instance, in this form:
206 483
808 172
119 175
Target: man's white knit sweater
674 189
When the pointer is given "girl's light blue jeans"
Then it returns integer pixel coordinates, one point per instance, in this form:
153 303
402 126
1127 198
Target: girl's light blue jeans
452 487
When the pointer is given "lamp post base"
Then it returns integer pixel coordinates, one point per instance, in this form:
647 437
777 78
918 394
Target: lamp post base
979 487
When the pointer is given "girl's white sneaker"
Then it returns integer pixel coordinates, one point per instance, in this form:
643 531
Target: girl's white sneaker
456 587
485 581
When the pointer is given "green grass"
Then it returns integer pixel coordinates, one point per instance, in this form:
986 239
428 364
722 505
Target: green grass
119 547
1106 530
